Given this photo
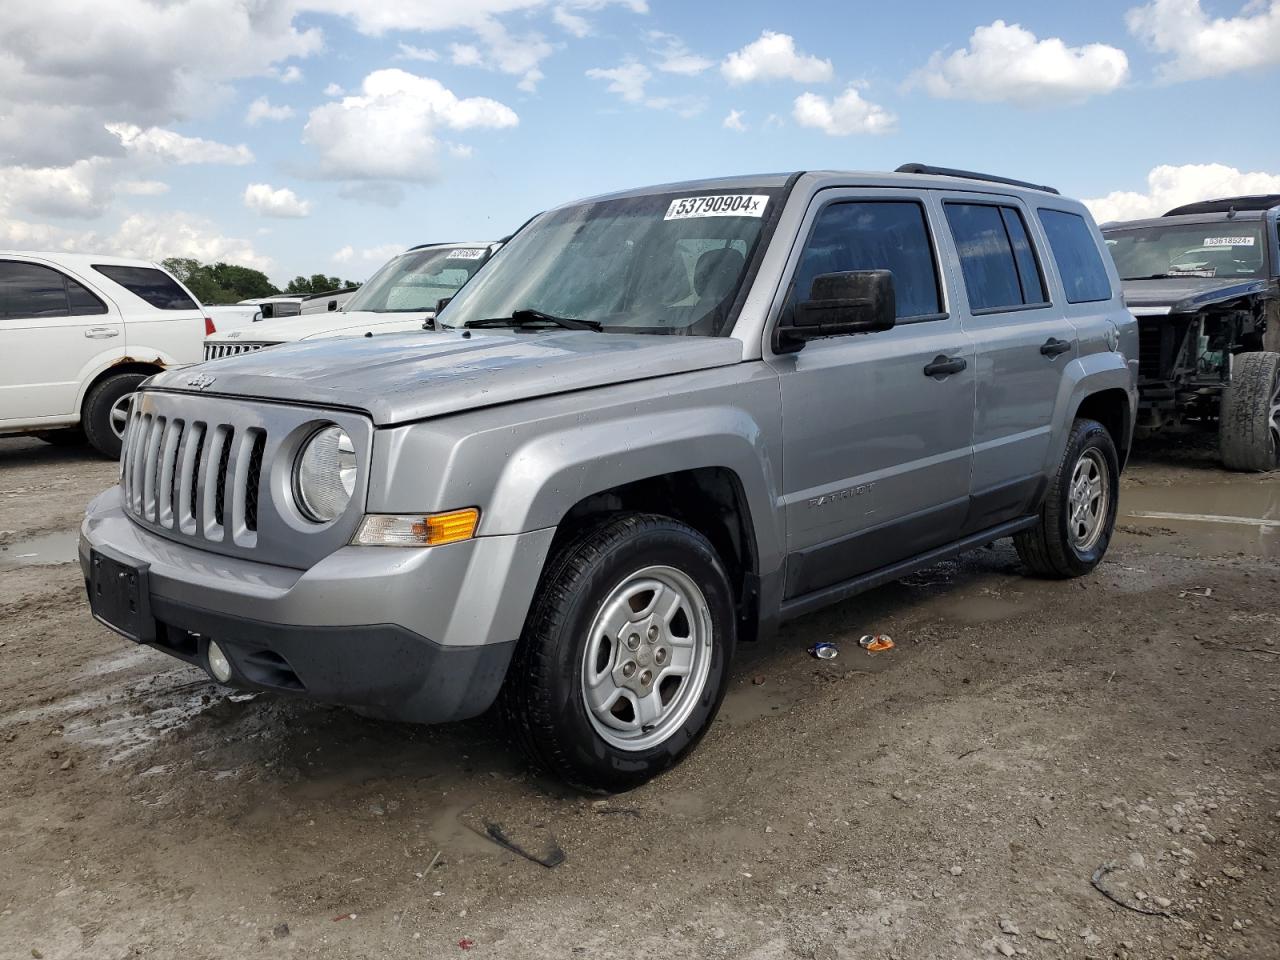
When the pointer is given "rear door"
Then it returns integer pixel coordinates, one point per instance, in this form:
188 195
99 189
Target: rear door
876 452
54 330
163 321
1023 341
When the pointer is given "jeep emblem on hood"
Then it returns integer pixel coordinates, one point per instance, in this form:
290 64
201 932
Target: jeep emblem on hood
200 381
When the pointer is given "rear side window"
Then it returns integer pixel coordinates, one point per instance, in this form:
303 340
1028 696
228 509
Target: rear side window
1084 275
152 285
875 235
29 290
996 257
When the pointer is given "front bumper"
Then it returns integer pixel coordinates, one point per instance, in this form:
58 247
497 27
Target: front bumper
422 635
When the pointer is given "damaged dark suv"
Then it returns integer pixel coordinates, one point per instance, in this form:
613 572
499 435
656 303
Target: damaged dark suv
1204 283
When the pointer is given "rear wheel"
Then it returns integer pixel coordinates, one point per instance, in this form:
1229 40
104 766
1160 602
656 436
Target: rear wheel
1079 511
1249 418
106 412
622 663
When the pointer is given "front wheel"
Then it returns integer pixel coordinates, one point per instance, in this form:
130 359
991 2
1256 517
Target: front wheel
622 664
1249 419
1079 511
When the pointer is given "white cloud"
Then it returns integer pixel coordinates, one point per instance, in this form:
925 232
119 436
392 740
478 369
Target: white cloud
333 90
262 109
81 189
267 201
734 121
146 236
1171 186
409 52
1006 62
389 130
627 81
774 57
438 15
571 23
841 116
142 188
68 66
290 74
505 52
674 56
1200 47
167 146
379 254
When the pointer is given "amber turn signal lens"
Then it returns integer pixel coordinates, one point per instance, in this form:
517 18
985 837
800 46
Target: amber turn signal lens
420 530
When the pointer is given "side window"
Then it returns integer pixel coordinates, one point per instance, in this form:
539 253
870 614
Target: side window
82 301
30 291
1084 275
875 235
996 257
152 285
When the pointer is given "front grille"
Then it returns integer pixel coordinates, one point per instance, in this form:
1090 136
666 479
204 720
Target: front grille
217 350
194 477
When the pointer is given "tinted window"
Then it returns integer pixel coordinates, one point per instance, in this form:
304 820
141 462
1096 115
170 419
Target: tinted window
82 300
999 265
1084 275
29 290
152 285
875 235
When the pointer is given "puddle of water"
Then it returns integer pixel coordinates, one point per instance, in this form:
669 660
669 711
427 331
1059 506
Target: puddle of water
47 550
1230 515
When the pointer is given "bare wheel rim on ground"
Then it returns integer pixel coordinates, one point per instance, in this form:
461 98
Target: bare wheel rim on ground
647 658
1089 499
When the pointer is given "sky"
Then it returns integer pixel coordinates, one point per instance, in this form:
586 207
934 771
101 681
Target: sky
304 136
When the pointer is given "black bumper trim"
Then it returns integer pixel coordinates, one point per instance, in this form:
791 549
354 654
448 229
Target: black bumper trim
383 668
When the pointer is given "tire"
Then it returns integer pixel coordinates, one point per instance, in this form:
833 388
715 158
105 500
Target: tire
604 577
1066 544
1249 417
70 437
100 418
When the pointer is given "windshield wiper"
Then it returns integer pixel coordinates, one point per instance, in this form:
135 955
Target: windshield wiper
1156 276
529 318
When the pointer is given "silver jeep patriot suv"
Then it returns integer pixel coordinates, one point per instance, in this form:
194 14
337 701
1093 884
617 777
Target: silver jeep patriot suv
655 425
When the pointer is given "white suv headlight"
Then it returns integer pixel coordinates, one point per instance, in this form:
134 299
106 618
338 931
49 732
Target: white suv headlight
324 476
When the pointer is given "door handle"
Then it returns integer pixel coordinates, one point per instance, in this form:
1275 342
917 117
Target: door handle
943 366
1052 347
101 333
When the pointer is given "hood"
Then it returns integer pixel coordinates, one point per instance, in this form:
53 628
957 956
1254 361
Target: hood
1188 294
334 323
404 377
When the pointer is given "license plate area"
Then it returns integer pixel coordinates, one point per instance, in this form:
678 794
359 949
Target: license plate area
119 595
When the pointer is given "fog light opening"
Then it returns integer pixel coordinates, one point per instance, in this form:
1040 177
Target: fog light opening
219 665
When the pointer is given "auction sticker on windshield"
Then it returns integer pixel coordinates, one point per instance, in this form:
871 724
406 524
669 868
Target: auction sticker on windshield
731 205
1228 241
472 254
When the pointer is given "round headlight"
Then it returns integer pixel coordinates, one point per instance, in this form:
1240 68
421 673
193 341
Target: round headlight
325 474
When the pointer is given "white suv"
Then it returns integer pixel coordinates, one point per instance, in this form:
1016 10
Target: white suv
78 333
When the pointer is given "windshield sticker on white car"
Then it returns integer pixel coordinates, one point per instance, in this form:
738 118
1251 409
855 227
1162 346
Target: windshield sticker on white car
475 253
736 205
1228 241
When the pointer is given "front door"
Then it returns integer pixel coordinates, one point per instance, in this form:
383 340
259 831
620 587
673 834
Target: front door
52 329
876 451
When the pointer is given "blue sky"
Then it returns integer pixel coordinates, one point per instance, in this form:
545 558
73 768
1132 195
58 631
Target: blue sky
381 125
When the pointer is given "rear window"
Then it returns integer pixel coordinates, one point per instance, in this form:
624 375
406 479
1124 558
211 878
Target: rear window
997 260
152 285
1084 275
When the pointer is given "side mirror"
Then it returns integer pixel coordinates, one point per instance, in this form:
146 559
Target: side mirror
855 301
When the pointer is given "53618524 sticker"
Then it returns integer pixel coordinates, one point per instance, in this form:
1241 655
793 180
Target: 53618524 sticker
724 205
470 253
1228 241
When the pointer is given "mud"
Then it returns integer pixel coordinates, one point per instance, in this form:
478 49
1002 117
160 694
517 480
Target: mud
1020 735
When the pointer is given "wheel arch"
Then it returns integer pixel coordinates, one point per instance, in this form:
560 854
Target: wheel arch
120 365
1111 408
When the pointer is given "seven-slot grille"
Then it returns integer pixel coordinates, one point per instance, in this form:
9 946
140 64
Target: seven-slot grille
181 475
214 351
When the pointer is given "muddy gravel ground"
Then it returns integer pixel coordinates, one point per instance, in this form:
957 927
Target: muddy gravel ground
972 792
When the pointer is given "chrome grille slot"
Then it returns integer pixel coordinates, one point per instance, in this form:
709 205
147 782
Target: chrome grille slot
137 462
151 469
168 468
188 471
213 481
215 351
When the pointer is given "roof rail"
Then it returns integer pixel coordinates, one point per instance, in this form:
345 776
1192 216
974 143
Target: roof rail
969 175
1262 201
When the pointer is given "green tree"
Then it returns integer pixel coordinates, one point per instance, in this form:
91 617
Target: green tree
220 282
318 283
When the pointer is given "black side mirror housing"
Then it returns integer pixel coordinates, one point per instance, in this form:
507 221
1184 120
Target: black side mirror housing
840 304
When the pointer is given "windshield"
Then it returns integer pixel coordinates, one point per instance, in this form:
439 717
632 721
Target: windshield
417 280
669 263
1221 249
